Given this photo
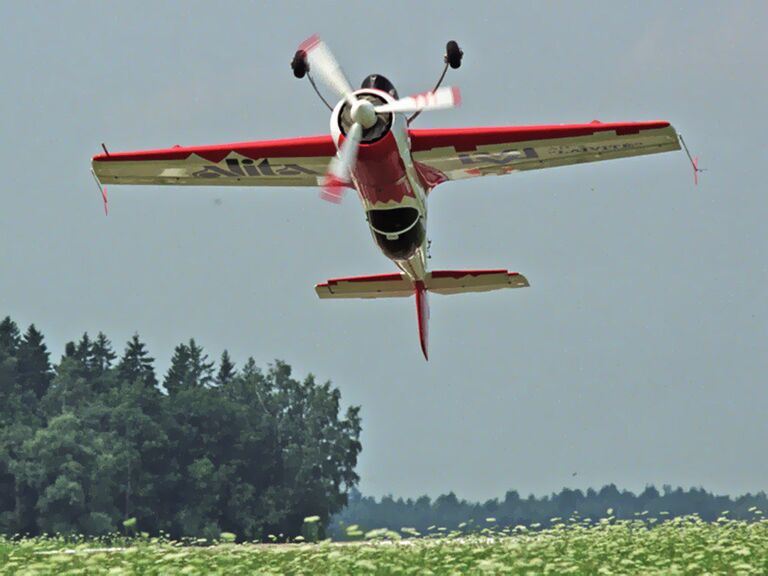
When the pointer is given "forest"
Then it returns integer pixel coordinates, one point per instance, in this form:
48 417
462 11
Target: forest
96 444
448 513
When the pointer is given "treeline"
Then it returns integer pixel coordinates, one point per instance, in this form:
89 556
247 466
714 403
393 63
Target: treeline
96 445
450 513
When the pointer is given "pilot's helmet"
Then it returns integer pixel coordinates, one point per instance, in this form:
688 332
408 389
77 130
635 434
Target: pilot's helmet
380 82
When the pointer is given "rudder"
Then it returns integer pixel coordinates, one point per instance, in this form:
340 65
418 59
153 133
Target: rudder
422 312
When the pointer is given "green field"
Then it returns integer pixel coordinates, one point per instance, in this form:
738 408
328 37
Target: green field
643 546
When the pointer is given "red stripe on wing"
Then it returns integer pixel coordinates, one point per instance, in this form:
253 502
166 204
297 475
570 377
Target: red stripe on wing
308 147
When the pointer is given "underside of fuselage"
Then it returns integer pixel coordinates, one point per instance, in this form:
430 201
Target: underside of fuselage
393 197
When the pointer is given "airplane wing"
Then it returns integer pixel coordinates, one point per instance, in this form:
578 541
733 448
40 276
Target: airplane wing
291 162
457 153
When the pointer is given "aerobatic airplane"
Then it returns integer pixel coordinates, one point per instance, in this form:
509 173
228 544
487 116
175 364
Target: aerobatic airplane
393 169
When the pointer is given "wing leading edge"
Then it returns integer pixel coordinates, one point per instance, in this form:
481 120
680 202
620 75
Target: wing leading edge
290 162
458 153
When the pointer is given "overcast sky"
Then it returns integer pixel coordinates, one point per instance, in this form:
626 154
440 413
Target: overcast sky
639 354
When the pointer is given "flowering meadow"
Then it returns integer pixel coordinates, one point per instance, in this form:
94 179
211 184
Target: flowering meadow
570 546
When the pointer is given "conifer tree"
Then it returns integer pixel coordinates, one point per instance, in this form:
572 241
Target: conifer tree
226 370
79 356
34 367
136 365
201 370
9 341
9 336
190 368
102 353
178 377
83 352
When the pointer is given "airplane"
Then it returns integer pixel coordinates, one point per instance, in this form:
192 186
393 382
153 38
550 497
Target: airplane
393 168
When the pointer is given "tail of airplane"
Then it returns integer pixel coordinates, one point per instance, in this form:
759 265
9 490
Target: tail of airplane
398 285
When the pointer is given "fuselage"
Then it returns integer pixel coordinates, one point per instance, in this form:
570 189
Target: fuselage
393 195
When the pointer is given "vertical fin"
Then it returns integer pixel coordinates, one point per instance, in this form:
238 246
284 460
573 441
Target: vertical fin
422 311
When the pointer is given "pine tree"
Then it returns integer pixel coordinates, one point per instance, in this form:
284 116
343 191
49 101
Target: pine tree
9 336
83 352
79 355
34 367
201 369
190 368
136 365
102 355
250 368
177 377
227 370
9 399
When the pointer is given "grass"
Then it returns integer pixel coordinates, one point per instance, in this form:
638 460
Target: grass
644 546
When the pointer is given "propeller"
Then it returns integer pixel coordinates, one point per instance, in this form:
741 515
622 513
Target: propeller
320 59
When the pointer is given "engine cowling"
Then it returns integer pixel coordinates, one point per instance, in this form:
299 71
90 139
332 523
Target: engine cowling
383 120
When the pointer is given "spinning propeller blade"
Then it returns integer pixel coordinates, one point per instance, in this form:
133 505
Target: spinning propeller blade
338 175
321 60
440 99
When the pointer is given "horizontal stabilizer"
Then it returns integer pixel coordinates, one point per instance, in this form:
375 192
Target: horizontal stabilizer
376 286
440 282
459 281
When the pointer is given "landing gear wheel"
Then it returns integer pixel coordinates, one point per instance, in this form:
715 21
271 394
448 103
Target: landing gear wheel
453 54
299 64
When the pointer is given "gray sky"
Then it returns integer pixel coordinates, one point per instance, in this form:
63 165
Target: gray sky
637 356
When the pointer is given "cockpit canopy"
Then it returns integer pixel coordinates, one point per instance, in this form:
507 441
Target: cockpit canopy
399 232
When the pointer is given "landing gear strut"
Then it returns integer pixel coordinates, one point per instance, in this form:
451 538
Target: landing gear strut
452 58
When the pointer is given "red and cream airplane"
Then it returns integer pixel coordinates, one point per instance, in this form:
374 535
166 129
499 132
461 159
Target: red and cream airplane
393 168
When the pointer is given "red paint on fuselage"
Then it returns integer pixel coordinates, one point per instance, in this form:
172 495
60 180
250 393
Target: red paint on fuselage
380 173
